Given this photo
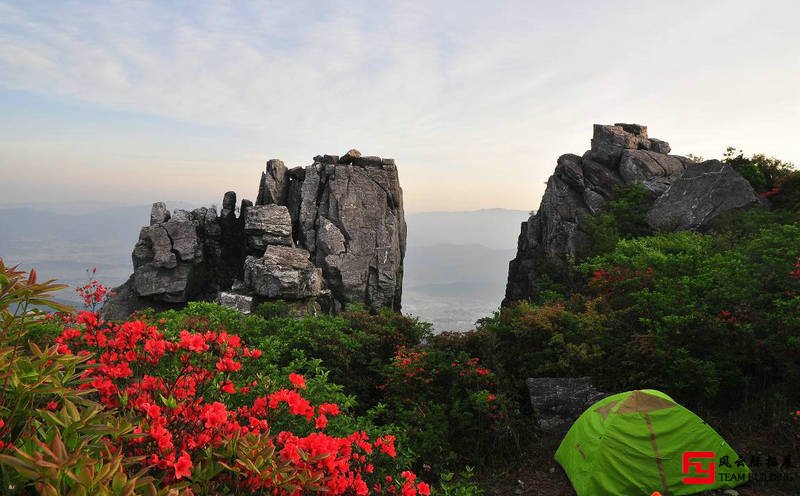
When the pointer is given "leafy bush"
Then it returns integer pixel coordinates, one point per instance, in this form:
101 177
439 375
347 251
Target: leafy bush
786 194
273 309
182 389
764 173
354 346
450 405
621 218
526 340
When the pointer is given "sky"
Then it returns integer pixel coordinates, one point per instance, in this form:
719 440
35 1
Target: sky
129 102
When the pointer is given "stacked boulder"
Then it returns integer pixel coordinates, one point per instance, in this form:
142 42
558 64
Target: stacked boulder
168 259
323 236
683 195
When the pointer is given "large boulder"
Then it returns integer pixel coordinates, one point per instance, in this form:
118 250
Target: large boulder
267 225
700 195
558 401
654 171
283 273
167 259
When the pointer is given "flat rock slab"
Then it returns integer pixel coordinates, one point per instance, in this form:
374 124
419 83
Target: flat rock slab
700 195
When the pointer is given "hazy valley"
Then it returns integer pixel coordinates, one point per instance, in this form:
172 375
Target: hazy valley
455 266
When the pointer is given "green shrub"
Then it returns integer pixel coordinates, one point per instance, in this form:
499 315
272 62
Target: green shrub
762 172
621 218
787 195
273 309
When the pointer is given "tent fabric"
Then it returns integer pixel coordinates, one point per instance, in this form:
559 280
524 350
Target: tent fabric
632 444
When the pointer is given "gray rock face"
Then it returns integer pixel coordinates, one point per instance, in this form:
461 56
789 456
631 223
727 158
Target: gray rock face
125 302
702 193
323 235
283 273
267 225
559 401
621 154
168 259
274 184
360 233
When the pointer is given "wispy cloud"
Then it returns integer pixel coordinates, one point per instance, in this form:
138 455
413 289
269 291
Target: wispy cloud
467 95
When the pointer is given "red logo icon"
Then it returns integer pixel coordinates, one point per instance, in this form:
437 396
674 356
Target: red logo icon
698 474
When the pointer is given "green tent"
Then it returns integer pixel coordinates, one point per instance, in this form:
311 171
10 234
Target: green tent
633 444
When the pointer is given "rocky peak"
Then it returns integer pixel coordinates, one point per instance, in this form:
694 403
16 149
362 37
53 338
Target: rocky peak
327 234
684 195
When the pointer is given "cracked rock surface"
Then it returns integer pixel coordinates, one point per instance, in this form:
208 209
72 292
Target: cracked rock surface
683 195
696 198
326 235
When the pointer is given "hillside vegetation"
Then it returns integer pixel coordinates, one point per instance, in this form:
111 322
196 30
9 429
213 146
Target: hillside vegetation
206 400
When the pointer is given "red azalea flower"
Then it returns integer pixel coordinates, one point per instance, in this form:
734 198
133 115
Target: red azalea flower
298 380
214 415
228 364
183 466
329 409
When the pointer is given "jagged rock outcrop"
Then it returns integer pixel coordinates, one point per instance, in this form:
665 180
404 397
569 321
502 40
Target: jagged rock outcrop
328 234
684 195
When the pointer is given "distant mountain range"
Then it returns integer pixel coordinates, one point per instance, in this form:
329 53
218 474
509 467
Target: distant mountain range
455 267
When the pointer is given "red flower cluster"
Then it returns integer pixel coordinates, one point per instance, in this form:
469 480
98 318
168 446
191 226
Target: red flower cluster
182 418
621 279
93 293
410 364
470 368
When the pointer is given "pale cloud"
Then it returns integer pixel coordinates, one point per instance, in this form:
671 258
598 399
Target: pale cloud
475 100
